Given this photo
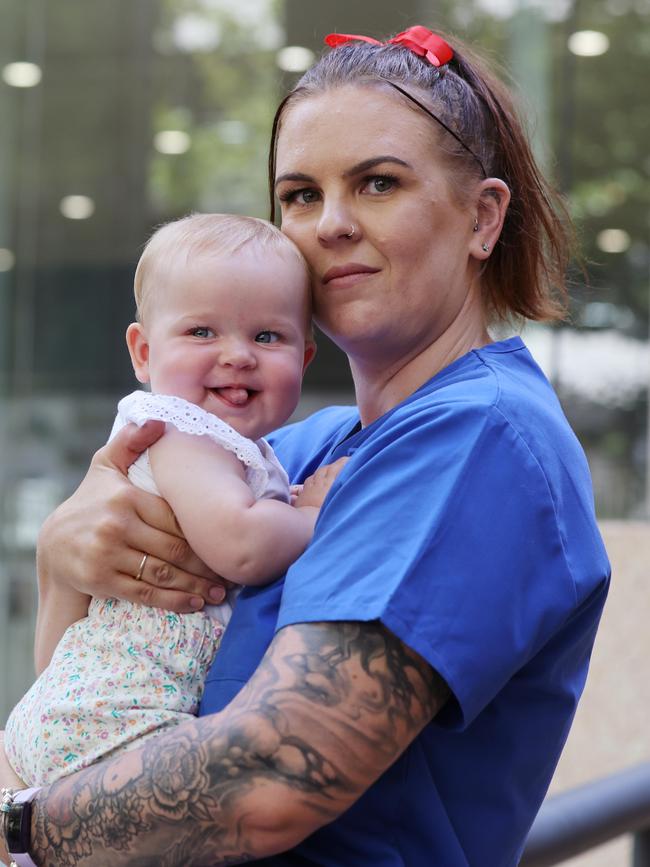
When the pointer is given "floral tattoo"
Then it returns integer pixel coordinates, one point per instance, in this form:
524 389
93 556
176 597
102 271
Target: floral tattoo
331 706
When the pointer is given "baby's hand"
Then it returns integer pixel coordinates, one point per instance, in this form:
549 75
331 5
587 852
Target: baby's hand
316 487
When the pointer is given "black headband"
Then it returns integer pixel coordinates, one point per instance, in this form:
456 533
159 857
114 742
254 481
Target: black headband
437 120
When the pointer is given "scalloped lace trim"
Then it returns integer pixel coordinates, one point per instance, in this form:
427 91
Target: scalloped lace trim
141 406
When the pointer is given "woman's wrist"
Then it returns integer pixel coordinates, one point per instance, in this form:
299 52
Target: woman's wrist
53 559
17 824
59 602
46 545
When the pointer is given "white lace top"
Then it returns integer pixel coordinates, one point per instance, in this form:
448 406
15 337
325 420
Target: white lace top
264 473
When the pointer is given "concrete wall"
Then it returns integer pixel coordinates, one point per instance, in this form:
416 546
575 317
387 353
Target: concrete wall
612 726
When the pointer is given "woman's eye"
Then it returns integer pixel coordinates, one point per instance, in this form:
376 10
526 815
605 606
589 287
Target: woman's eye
299 197
380 184
202 331
267 337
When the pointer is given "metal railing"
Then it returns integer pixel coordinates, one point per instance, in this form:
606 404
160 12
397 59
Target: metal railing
583 818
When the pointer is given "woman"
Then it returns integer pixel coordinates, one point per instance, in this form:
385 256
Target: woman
432 643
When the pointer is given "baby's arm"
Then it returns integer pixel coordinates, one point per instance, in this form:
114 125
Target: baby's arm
245 540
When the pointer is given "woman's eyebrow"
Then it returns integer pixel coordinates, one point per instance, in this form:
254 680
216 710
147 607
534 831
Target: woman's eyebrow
371 163
357 169
294 176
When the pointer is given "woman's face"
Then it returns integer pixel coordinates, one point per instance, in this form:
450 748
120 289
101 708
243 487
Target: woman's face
360 158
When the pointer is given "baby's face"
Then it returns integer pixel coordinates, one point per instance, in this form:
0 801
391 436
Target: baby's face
232 336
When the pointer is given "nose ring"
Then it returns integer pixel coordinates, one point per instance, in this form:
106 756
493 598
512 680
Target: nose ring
350 234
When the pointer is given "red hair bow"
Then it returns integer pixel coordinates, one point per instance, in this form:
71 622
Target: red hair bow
418 39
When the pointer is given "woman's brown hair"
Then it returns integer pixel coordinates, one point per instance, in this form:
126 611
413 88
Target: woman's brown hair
481 136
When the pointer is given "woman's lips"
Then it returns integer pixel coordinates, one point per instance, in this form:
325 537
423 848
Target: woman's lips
347 275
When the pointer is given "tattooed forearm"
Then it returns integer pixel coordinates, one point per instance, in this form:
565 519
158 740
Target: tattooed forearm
329 709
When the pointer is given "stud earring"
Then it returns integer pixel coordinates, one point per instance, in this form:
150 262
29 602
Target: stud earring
475 224
485 247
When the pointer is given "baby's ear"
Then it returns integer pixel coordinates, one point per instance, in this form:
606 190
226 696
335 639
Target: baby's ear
310 352
136 340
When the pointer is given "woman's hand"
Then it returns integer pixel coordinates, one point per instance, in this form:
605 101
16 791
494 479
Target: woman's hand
96 540
94 545
317 486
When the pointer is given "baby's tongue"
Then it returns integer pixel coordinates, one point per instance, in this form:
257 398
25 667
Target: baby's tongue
238 396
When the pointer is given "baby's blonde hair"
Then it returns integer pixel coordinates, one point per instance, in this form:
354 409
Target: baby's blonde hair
200 234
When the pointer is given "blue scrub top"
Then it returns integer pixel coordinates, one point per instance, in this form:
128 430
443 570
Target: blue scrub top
464 521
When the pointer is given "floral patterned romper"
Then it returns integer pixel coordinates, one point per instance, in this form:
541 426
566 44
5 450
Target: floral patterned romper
127 671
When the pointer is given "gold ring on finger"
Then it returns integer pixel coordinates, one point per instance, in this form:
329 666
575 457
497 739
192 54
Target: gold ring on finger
140 571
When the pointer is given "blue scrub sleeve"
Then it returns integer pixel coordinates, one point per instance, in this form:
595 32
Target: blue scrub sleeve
443 526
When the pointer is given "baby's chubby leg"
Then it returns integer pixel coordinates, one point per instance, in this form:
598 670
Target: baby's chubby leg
9 779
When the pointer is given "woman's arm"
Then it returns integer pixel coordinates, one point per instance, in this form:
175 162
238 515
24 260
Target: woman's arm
246 540
92 545
331 706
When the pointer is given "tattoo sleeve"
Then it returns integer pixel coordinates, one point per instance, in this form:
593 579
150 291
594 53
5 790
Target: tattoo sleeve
331 706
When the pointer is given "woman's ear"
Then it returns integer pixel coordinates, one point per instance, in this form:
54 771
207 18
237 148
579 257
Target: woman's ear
491 206
136 340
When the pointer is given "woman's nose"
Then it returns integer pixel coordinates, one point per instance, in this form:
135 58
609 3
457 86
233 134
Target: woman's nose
336 223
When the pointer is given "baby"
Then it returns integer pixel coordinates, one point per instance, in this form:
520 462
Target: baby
223 337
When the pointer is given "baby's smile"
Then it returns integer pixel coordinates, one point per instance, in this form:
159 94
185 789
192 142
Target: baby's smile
234 395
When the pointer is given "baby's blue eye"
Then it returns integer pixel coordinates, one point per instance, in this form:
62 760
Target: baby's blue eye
201 331
267 337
